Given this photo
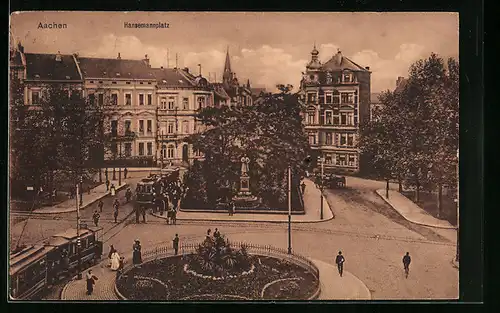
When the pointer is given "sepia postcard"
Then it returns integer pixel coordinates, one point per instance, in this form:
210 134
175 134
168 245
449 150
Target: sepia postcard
206 156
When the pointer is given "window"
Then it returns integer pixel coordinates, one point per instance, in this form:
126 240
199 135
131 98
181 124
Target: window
128 99
141 99
164 151
91 99
100 99
311 97
328 98
141 148
336 120
150 99
310 118
341 160
150 148
350 140
343 139
347 77
114 128
114 149
127 127
114 99
170 152
347 98
312 139
336 99
328 118
329 140
201 102
35 97
170 128
343 119
185 127
163 103
328 159
149 126
171 103
141 126
329 77
128 149
352 160
185 103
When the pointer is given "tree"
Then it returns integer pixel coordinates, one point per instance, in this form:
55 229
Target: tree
56 138
270 134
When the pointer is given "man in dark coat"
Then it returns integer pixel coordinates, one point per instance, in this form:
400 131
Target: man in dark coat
176 243
406 263
340 263
303 187
90 282
115 214
137 214
96 217
107 184
125 172
136 254
100 205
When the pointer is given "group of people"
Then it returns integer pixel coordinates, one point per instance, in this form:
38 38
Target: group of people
340 260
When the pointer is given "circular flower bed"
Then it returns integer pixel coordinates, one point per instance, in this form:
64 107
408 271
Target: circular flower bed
182 285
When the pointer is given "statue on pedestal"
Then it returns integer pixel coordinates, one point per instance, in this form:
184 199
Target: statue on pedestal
244 165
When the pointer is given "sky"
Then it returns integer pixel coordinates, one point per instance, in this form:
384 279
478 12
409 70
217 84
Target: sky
266 48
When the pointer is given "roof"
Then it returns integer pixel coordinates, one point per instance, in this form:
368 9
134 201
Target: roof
374 97
47 68
257 91
220 91
114 68
16 59
345 63
25 257
170 77
71 233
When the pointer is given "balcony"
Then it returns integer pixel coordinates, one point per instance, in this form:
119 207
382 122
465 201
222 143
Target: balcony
125 136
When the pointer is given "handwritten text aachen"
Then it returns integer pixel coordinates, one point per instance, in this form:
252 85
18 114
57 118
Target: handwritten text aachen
52 25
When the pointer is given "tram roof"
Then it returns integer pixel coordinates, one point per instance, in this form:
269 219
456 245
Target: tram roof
27 256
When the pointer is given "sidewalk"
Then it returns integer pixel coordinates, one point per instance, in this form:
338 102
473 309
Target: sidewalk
334 287
412 212
312 207
67 206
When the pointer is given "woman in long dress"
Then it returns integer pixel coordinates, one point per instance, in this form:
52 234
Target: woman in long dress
115 261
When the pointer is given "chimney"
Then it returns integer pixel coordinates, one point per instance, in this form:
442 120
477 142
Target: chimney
161 67
367 68
338 57
119 56
58 56
146 60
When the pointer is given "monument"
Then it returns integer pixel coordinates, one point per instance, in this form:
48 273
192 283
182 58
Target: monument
244 198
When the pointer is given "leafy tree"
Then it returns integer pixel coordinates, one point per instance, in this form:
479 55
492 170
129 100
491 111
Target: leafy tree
269 133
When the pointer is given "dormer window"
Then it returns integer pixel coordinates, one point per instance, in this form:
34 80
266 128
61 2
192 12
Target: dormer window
347 77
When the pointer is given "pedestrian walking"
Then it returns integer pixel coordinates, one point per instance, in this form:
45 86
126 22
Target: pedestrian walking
176 243
100 205
91 279
216 233
128 194
340 263
115 214
125 172
121 263
112 189
406 263
96 217
303 187
174 217
208 232
232 208
111 251
107 182
143 211
136 254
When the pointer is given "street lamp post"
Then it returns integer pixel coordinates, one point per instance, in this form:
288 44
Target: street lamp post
289 210
119 168
322 160
78 242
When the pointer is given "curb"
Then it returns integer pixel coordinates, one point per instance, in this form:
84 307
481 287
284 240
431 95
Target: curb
241 221
414 222
82 207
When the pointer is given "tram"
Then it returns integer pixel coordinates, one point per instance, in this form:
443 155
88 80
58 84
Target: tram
36 267
151 191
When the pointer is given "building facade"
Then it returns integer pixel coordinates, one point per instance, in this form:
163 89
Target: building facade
237 95
336 96
127 88
180 95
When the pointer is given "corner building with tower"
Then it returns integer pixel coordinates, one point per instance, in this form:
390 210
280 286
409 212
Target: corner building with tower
336 97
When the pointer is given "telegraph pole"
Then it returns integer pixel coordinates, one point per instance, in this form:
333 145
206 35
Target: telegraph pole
289 210
321 187
78 241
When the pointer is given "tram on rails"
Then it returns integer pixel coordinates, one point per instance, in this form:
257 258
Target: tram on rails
151 192
36 267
